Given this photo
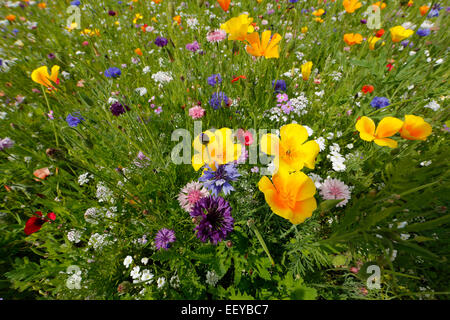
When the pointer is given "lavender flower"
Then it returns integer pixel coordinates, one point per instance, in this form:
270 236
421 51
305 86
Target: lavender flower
194 46
219 180
213 215
163 238
6 143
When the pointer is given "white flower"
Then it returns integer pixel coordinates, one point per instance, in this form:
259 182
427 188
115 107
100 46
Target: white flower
310 131
433 105
91 215
74 236
212 278
146 276
97 241
104 194
84 178
349 146
144 261
425 163
316 178
161 281
135 273
162 77
146 70
142 91
127 261
175 281
321 142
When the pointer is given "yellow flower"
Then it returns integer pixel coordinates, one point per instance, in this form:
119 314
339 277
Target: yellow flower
304 29
42 5
215 147
238 27
387 127
291 151
306 70
267 47
137 17
351 5
318 20
290 195
353 38
318 13
41 76
399 33
372 42
415 128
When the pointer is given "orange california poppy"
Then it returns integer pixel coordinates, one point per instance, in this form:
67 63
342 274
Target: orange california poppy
267 46
387 127
415 128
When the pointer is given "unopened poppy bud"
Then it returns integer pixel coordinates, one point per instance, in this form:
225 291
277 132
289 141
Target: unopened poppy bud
55 154
124 287
229 243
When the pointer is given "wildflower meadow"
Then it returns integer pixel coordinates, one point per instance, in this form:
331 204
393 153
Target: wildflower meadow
224 150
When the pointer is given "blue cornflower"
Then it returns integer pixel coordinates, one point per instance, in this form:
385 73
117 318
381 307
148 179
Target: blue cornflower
217 98
74 121
423 32
113 72
219 180
379 102
293 1
214 79
75 3
405 43
279 85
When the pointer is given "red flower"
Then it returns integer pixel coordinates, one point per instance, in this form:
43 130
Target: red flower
379 33
35 223
367 89
389 66
237 78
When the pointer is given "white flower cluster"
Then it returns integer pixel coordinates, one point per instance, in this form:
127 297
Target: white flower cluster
93 215
104 194
98 241
212 278
84 178
162 77
74 236
336 158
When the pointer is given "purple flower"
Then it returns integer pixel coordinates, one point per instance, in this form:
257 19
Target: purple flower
194 46
405 43
163 238
74 121
214 79
6 143
113 72
363 21
423 32
141 160
161 42
213 215
279 85
379 102
111 13
75 3
117 108
219 180
51 56
216 100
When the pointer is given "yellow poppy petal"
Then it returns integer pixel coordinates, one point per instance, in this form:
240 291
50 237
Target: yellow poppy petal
294 131
366 128
303 210
388 126
55 73
306 189
383 142
270 144
309 151
265 184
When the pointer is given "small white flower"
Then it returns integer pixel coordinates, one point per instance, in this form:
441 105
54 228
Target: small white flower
128 260
161 281
135 273
144 261
146 276
212 278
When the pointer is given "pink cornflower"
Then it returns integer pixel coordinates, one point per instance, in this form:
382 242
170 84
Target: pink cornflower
196 112
216 35
335 189
190 194
158 110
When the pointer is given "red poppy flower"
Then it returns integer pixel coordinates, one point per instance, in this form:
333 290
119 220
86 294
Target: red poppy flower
237 78
379 33
35 223
367 89
389 66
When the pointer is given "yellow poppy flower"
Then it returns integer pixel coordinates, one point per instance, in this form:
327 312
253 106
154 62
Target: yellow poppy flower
353 38
318 13
41 76
351 5
238 27
215 147
387 127
372 42
399 33
306 70
304 30
137 17
290 195
267 47
415 128
290 150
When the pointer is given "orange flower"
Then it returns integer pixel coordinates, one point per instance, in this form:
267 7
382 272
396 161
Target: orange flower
41 76
415 128
42 5
177 19
318 13
423 10
351 5
10 17
224 4
387 127
353 38
290 196
41 173
138 51
380 5
268 47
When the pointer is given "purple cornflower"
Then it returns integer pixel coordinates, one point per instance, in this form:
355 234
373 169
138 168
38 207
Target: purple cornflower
163 238
214 79
73 121
405 43
113 72
112 13
51 56
219 180
213 215
194 46
217 98
161 42
117 108
279 85
379 102
363 21
6 143
423 32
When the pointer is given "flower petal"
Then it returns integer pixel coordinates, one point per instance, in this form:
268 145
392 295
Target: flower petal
366 128
388 126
